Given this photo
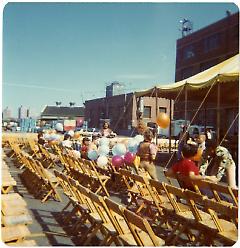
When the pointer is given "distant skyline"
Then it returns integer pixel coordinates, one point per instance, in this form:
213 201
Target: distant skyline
69 52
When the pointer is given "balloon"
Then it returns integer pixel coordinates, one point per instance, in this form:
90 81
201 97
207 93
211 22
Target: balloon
139 138
53 142
197 157
103 150
79 122
129 158
119 149
117 161
46 136
104 141
51 131
92 155
76 135
163 120
71 133
102 161
54 137
59 127
132 145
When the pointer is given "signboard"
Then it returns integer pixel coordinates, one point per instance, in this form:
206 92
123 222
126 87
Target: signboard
80 121
69 125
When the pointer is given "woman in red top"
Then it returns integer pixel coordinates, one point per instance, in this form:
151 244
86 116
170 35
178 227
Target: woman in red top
187 168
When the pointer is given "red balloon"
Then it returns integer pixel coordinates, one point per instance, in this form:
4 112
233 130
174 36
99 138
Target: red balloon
129 158
117 161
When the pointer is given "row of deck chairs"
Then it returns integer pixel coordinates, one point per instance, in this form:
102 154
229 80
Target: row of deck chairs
14 213
39 180
114 222
166 204
186 216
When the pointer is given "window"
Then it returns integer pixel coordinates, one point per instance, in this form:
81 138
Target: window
147 112
162 110
212 42
188 52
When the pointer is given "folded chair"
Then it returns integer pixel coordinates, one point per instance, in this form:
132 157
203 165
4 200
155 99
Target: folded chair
120 224
141 230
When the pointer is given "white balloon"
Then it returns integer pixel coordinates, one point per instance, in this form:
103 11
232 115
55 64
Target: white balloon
103 150
71 133
59 127
46 136
102 161
119 149
139 138
104 141
132 145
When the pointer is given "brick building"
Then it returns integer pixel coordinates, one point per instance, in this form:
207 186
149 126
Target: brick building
201 50
121 110
54 113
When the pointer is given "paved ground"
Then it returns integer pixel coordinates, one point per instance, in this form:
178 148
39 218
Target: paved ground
47 228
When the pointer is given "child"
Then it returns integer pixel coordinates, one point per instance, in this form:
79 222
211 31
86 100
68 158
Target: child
187 168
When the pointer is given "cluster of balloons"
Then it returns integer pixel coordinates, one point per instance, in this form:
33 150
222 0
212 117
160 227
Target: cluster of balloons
52 137
122 153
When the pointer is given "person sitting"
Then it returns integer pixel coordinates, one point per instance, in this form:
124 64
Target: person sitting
85 148
187 168
67 141
106 131
223 164
147 152
94 143
41 139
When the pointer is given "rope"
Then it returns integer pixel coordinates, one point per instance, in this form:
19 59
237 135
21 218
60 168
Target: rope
229 128
224 136
184 134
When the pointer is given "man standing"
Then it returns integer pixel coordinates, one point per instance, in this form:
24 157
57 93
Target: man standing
147 152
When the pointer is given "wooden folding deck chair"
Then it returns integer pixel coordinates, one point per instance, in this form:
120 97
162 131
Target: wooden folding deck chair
182 214
50 182
97 181
89 214
223 193
144 195
202 219
67 190
120 224
105 227
165 217
47 159
225 220
141 230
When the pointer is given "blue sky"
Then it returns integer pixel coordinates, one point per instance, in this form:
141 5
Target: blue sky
69 52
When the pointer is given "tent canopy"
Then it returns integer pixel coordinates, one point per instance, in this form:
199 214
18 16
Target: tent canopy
225 73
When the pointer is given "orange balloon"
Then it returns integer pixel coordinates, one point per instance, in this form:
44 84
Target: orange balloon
163 120
53 142
198 156
76 135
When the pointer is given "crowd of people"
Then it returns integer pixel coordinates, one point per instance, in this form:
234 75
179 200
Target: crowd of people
199 157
